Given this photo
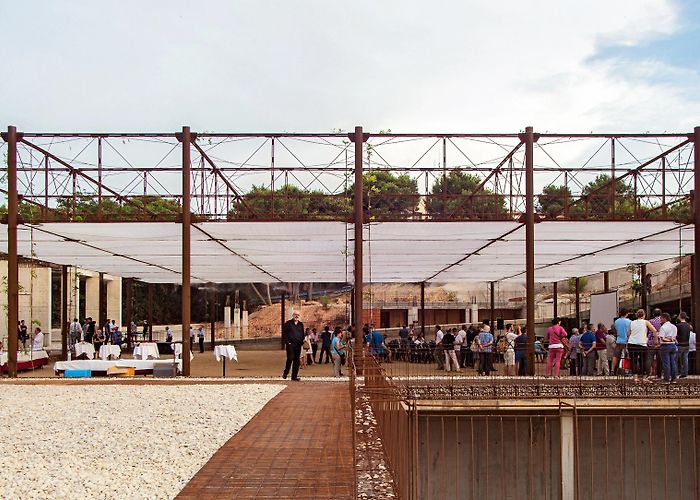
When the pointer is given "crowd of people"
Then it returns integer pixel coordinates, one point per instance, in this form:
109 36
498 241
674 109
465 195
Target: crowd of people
656 349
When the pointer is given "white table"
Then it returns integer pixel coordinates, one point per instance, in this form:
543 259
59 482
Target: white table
225 351
144 350
110 349
177 349
85 348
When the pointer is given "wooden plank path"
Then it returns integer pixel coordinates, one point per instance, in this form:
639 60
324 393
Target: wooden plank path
298 446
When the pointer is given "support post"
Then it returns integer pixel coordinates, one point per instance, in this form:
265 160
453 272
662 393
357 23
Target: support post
64 313
282 320
186 141
422 308
12 259
102 303
568 453
492 311
149 306
606 281
577 290
696 221
358 211
644 296
212 314
129 311
555 300
530 247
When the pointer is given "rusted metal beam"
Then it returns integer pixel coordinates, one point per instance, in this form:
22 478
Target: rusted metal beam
555 300
221 176
696 221
12 262
359 139
212 314
185 138
529 139
77 172
632 172
64 313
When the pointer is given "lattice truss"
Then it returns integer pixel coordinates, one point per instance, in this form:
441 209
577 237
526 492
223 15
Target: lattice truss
263 176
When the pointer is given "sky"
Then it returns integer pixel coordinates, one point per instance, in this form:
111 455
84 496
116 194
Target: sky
315 66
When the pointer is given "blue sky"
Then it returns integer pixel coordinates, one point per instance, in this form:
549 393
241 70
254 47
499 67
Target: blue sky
680 48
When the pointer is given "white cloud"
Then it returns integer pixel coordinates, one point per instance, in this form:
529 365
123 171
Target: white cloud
312 66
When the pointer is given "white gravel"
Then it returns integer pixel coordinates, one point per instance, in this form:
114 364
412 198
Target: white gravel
116 441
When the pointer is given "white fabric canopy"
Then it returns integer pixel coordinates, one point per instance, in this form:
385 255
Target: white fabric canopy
242 252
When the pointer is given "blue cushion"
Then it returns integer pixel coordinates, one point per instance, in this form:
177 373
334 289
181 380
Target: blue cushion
77 373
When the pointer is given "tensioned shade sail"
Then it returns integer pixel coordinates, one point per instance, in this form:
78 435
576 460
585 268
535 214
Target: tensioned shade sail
322 251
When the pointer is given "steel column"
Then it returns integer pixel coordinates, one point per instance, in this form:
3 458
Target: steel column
129 310
12 260
422 308
212 314
555 300
186 216
577 291
644 296
283 319
64 313
696 222
606 281
101 302
492 312
150 312
530 247
358 211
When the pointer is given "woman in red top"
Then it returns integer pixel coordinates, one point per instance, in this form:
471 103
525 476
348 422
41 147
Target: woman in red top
555 336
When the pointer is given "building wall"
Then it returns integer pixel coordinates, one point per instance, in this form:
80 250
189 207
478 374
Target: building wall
34 298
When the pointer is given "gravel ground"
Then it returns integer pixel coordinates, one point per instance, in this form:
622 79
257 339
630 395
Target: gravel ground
373 476
116 441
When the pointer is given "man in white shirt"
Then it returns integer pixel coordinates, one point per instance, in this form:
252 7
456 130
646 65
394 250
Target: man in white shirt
509 355
669 349
460 339
76 331
38 342
439 354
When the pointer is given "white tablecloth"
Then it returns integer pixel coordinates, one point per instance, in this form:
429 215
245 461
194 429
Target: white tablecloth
22 357
108 349
85 348
226 351
177 349
145 350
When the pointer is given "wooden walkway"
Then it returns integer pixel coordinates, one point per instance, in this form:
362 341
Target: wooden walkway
299 446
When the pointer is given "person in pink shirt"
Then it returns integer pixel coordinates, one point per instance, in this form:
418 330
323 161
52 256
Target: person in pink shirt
555 336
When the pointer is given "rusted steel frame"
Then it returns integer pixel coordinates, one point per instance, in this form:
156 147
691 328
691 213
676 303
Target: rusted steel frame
150 311
220 175
25 199
492 311
11 137
212 314
493 172
663 186
696 222
529 138
99 179
129 311
643 294
577 292
359 138
606 281
555 300
475 252
64 313
612 183
611 198
186 138
422 307
283 318
77 172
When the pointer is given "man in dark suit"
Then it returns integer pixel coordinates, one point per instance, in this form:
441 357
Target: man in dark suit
293 338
